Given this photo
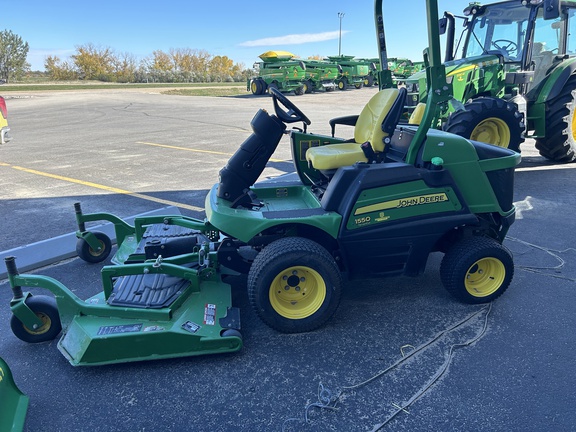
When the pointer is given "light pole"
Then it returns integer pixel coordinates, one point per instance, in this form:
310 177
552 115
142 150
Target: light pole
340 15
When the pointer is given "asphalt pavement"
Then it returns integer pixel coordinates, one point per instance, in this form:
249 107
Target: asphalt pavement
508 366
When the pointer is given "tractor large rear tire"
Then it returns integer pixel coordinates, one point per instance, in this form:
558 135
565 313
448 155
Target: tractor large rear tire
559 145
490 120
294 285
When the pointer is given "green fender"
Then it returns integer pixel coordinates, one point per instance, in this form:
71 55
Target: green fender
550 88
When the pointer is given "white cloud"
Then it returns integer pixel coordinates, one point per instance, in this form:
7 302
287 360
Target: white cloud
293 39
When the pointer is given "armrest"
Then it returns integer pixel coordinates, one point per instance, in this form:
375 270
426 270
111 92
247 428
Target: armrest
346 120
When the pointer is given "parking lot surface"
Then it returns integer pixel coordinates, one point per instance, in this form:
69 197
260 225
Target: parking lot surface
508 366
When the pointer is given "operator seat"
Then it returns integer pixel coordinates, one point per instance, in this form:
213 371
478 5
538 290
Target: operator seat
375 123
417 114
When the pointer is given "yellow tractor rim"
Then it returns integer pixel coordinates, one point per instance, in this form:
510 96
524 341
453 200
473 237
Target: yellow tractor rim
493 131
340 85
253 87
46 324
573 113
297 292
484 277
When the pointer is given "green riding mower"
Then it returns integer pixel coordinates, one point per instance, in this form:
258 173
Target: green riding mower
374 205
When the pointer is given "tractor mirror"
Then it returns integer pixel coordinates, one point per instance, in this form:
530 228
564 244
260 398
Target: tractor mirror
442 24
551 9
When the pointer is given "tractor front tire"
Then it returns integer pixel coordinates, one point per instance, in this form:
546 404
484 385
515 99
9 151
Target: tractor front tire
489 120
46 309
294 285
477 270
559 144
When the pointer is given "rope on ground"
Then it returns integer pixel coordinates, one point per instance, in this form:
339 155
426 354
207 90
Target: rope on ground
553 253
326 400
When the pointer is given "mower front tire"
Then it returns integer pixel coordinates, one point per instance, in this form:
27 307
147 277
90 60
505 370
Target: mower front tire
477 270
86 253
294 285
46 309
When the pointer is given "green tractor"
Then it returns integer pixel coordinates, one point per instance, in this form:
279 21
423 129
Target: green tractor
513 72
371 206
373 70
353 72
278 70
402 68
320 75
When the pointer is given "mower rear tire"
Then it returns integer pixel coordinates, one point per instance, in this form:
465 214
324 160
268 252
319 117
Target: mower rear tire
86 253
559 145
489 120
46 309
294 285
477 270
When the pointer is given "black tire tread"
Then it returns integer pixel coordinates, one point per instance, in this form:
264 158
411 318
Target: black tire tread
463 122
274 251
474 246
39 304
558 145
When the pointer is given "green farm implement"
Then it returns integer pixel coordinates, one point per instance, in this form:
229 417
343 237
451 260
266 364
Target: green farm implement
278 70
353 71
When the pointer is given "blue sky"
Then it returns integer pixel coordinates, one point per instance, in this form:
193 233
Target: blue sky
239 30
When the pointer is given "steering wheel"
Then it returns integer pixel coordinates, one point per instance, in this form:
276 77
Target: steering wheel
291 114
507 45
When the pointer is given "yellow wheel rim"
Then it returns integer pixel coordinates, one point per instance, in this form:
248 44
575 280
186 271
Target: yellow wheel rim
340 85
46 324
493 131
573 114
98 252
484 277
253 87
297 292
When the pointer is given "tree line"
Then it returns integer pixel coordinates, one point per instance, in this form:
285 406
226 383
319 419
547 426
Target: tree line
90 62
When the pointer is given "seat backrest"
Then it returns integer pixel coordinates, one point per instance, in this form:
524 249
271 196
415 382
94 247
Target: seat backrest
369 124
417 114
